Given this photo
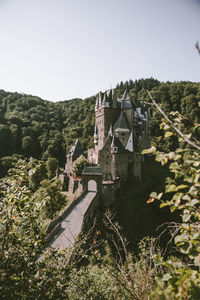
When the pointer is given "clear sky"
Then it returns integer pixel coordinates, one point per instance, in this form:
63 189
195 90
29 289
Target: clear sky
62 49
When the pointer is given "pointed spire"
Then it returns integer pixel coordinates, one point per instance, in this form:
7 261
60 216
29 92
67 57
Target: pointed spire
97 101
126 95
130 143
97 104
76 150
122 123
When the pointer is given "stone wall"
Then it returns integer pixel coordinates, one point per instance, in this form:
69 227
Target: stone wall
108 192
120 166
73 184
137 165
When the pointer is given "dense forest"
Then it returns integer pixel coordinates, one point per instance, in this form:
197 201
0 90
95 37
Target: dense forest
30 126
120 257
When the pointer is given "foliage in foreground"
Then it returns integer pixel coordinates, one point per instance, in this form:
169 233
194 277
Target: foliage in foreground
99 273
181 276
22 211
28 271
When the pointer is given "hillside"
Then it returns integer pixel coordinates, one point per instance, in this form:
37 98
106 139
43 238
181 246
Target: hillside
35 127
102 265
30 126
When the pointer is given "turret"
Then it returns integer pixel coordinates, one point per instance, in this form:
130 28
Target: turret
98 101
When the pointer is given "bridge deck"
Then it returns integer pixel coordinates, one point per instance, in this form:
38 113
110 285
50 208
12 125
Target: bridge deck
72 224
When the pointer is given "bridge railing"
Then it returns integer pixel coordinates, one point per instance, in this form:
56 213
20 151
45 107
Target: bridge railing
55 222
90 210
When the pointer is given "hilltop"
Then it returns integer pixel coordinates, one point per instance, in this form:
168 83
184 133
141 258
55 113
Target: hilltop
30 126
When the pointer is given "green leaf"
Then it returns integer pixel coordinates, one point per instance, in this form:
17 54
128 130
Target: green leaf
167 276
186 217
150 150
193 202
163 204
181 186
153 195
168 134
170 188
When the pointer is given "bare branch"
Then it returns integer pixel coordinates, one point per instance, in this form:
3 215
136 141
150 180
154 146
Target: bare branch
194 145
115 229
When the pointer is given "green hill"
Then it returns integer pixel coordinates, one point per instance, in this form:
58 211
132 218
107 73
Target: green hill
30 126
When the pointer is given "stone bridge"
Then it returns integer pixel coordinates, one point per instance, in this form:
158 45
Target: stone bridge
68 225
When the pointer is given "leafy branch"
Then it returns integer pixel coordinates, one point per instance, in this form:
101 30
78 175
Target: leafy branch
194 145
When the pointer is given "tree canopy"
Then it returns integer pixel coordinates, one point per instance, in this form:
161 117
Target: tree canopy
104 265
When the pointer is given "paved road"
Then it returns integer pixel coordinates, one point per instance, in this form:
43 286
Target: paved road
72 224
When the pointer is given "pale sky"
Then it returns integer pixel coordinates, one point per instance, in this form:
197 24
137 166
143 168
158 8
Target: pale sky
63 49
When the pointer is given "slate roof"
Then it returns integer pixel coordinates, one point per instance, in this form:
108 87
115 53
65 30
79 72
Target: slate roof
126 96
126 104
117 143
130 144
92 171
122 123
125 101
76 150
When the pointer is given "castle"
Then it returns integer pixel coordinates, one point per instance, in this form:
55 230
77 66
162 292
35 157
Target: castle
120 134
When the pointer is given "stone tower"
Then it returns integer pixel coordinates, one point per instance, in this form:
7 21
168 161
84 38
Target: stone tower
106 112
120 133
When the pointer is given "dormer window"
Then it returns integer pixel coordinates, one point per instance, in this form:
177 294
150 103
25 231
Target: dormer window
114 150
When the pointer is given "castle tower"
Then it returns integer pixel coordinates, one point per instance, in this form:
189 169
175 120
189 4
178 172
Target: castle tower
106 113
120 133
122 128
127 107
